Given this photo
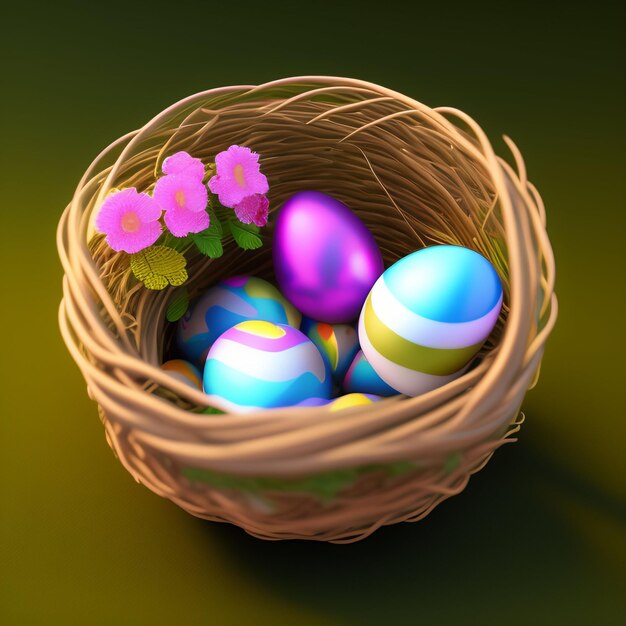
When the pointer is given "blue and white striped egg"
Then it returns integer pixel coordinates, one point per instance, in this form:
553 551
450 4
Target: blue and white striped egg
428 315
362 378
257 364
223 306
338 343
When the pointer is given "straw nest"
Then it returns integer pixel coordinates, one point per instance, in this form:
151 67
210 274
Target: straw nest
416 176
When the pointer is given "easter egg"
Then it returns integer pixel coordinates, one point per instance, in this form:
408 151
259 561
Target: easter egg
313 402
184 371
361 378
223 306
325 259
257 364
338 343
352 399
428 315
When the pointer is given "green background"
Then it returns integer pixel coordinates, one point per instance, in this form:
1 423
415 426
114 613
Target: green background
538 536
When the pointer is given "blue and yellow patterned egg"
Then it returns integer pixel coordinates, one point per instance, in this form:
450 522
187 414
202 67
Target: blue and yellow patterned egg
428 315
338 343
352 399
184 371
361 378
223 306
257 364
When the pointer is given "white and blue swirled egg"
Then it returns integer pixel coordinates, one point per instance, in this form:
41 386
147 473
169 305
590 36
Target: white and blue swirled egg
428 315
260 365
228 303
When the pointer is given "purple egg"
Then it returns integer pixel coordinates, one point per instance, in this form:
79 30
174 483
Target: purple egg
325 259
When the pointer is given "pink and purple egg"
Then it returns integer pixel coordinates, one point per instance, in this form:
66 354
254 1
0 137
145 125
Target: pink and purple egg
325 259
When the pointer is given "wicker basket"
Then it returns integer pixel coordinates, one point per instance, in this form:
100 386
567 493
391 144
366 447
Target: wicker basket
416 176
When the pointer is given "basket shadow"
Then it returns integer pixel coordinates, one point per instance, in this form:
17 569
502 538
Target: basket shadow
493 547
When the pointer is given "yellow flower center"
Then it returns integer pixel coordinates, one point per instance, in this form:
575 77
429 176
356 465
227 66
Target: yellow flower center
180 198
238 174
130 222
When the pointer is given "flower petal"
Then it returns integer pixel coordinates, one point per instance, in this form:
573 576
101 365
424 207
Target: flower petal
253 209
112 209
183 163
176 191
146 208
181 222
116 208
142 238
237 175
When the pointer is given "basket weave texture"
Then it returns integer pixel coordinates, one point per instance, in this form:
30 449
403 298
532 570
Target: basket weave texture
416 176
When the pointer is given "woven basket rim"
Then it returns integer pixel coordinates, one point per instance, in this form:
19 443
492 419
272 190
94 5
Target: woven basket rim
479 407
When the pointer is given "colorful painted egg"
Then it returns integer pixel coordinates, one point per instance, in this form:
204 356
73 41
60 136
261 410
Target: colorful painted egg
428 315
257 364
361 378
338 343
184 371
325 259
314 402
223 306
352 399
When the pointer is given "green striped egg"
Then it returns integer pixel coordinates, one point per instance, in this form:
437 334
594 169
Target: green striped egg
428 315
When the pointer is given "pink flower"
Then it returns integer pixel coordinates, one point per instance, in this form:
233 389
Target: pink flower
253 208
181 221
130 220
183 163
238 175
180 191
184 199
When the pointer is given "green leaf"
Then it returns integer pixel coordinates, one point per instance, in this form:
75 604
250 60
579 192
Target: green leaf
178 305
211 247
167 239
209 241
246 235
452 462
399 468
159 266
211 410
325 485
177 243
216 224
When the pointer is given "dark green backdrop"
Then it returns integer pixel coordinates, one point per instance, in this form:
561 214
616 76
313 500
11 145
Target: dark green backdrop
538 536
